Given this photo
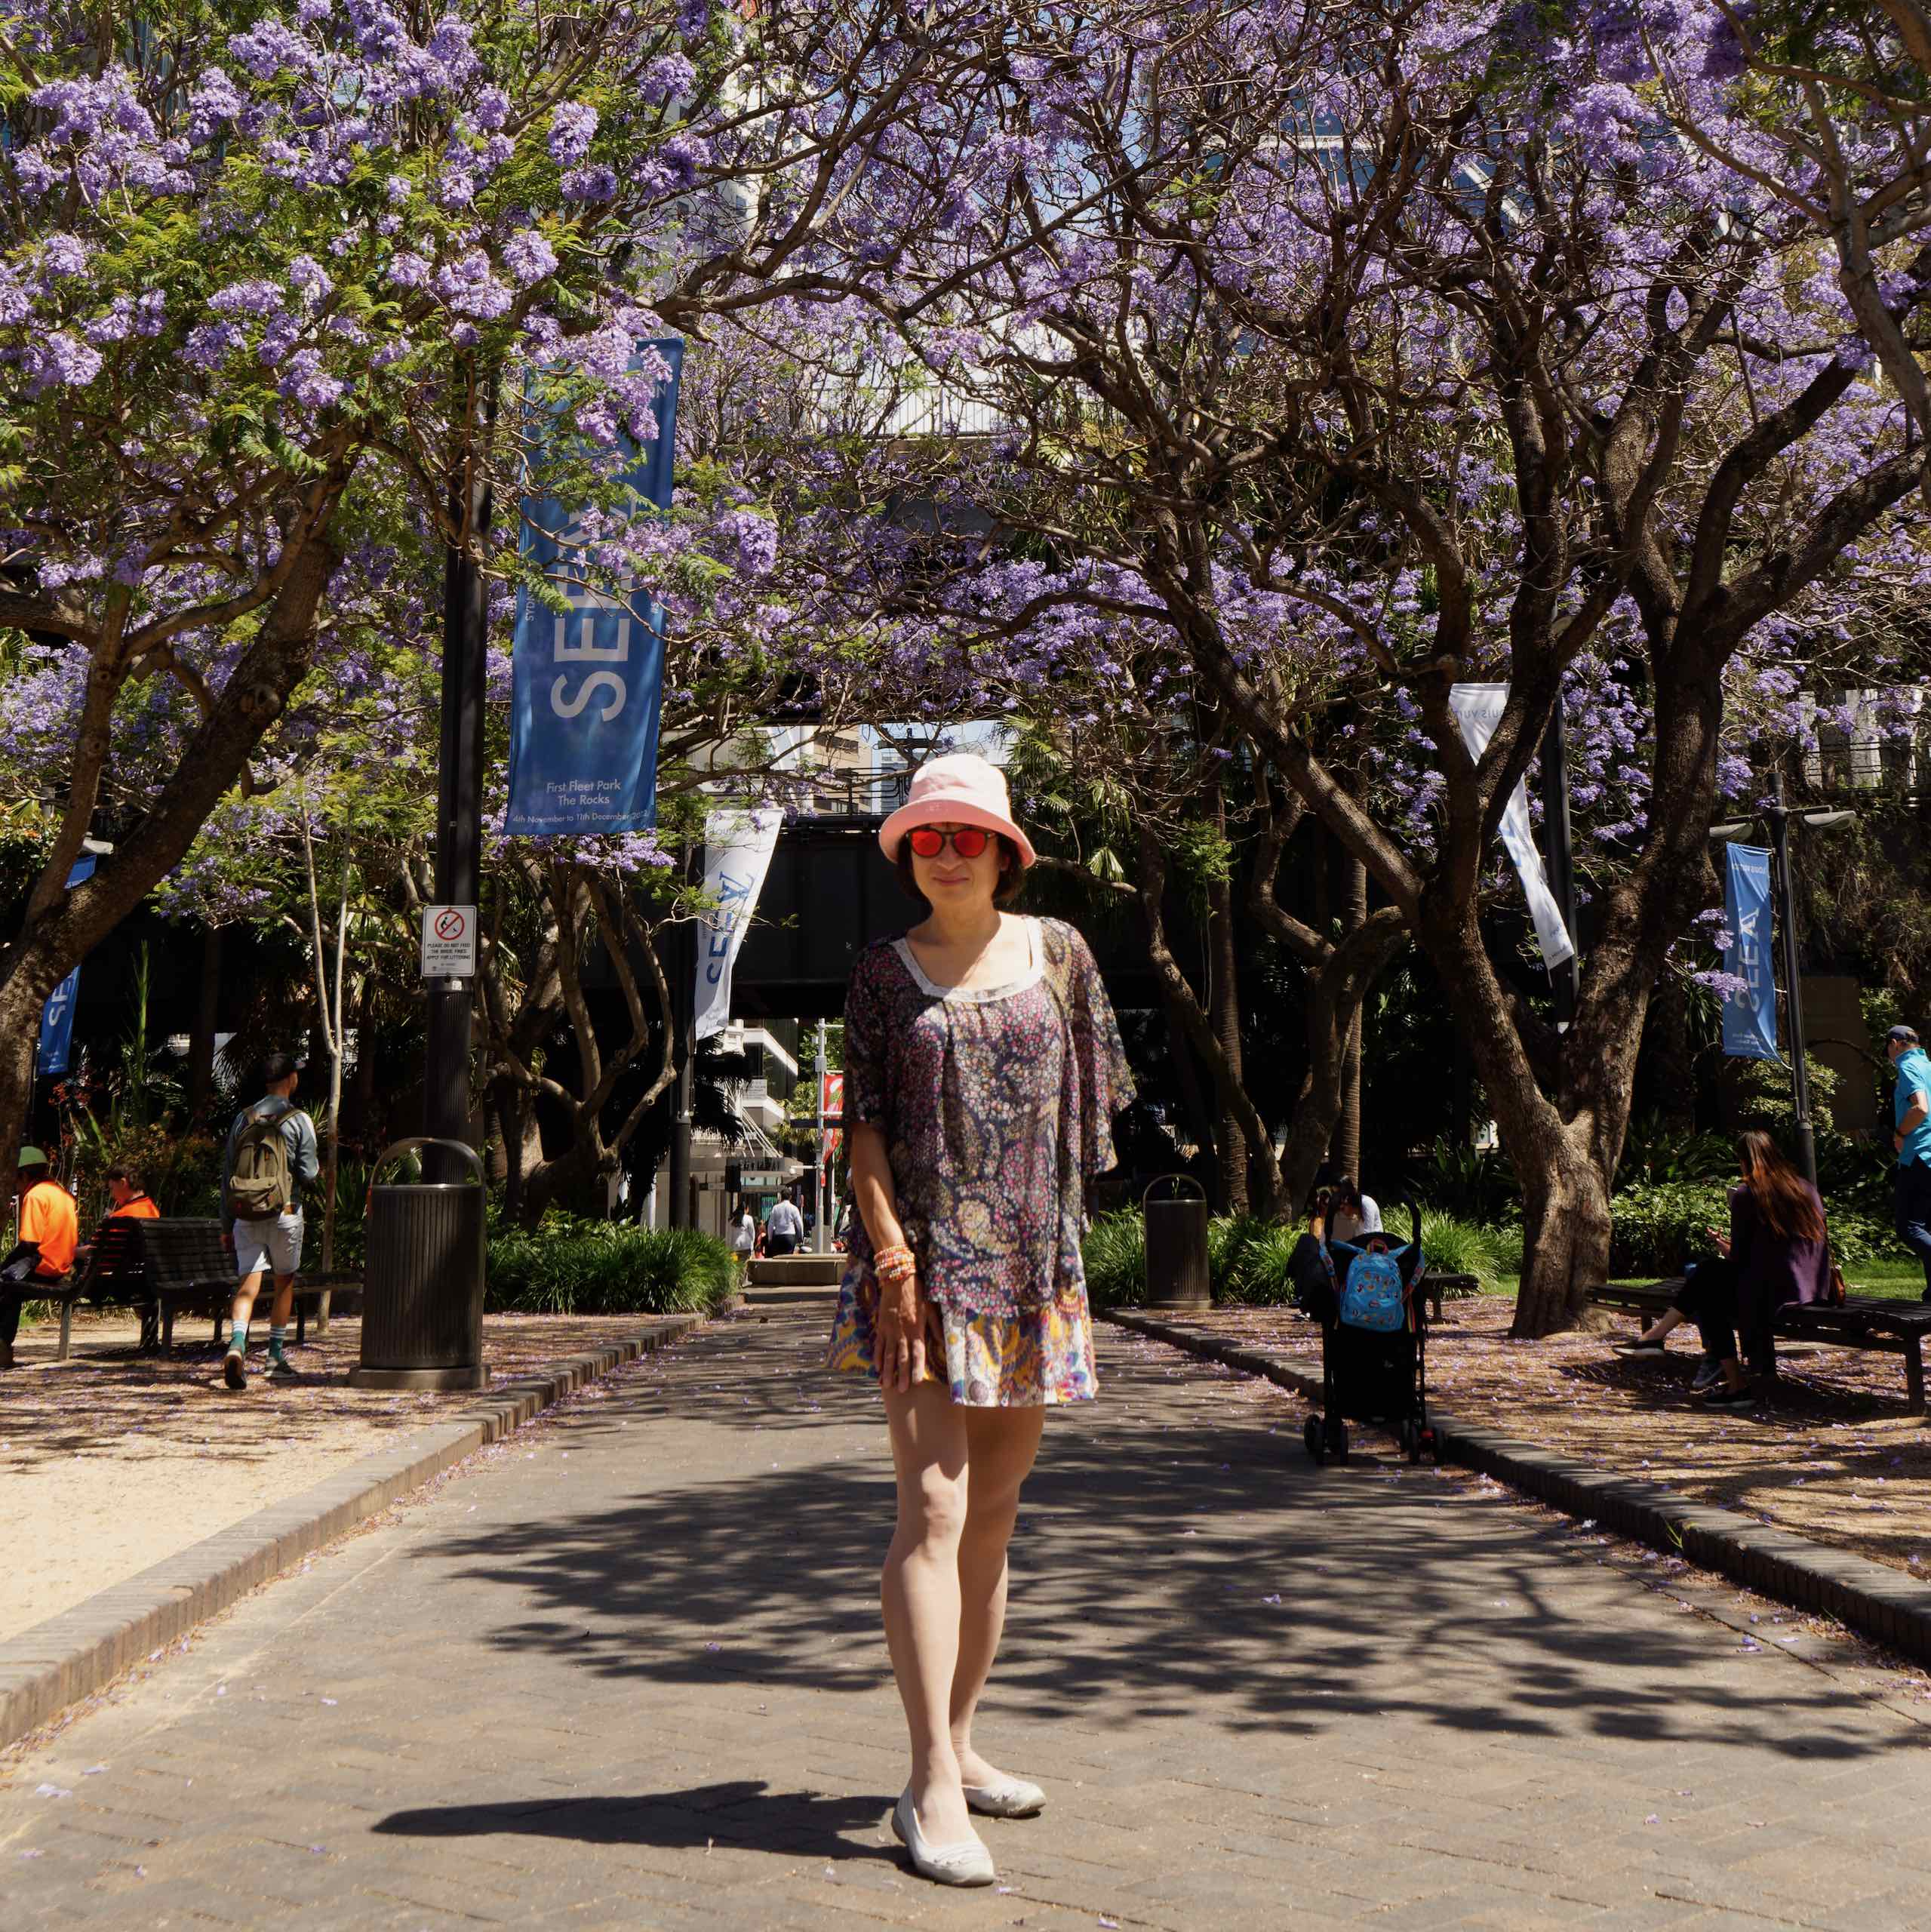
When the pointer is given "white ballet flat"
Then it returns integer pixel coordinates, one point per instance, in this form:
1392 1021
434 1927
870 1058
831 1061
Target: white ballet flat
1010 1797
967 1863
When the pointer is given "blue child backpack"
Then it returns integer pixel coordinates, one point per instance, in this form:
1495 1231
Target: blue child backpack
1374 1296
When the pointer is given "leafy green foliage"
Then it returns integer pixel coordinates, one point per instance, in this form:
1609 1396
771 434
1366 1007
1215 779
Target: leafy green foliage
608 1268
1455 1247
1115 1254
1659 1227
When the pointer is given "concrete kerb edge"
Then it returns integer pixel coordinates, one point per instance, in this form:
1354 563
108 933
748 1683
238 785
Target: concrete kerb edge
1869 1598
57 1663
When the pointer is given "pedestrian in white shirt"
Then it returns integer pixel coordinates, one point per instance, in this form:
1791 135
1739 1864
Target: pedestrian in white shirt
784 1228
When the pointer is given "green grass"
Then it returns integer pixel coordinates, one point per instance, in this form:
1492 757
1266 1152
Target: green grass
1900 1280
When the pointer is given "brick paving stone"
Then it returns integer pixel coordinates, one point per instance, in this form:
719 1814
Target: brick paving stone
624 1670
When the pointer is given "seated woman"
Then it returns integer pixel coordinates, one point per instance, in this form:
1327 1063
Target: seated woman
1778 1251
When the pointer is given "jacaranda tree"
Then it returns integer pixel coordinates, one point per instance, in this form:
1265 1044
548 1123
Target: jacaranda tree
1364 351
263 266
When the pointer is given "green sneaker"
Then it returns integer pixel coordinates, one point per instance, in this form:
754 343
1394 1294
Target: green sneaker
280 1369
234 1370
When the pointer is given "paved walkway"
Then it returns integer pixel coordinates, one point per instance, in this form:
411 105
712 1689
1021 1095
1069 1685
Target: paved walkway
624 1671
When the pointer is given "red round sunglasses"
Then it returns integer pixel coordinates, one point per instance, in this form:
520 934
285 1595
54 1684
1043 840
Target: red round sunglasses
969 841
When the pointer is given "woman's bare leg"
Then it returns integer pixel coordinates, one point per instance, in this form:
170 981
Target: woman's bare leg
1000 1444
1670 1318
920 1591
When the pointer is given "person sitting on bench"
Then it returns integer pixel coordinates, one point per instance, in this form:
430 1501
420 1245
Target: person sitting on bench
1778 1252
49 1230
128 1200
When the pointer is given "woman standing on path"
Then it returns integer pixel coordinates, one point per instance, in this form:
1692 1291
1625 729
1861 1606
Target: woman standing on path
983 1068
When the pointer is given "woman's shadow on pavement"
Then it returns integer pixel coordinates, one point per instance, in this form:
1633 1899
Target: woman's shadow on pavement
745 1814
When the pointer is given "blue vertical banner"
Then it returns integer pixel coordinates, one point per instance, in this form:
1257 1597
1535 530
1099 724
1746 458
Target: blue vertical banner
1750 1013
587 688
56 1017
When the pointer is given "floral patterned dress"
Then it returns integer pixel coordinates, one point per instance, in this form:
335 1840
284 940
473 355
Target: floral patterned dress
997 1105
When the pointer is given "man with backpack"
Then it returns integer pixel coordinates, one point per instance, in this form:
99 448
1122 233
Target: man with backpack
271 1151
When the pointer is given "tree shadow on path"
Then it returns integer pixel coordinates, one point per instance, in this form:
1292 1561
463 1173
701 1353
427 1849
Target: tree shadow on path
1178 1560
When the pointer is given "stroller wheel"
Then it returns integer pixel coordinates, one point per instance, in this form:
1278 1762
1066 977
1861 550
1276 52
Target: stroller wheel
1311 1435
1433 1442
1411 1439
1337 1440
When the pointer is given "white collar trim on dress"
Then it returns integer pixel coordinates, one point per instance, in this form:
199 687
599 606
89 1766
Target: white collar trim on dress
1034 972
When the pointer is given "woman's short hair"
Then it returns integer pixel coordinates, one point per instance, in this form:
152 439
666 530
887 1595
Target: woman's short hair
128 1174
1012 874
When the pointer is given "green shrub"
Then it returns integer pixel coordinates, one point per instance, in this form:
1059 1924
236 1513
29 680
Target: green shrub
1115 1253
1253 1270
1452 1246
608 1268
1657 1229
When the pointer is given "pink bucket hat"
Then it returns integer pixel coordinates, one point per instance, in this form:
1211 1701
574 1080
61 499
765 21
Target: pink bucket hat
960 789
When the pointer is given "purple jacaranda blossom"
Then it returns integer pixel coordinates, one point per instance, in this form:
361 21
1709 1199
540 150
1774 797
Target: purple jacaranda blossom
469 286
268 48
214 99
63 254
595 183
310 278
756 540
304 381
491 109
528 257
116 324
209 344
683 155
667 78
62 360
256 297
573 127
408 270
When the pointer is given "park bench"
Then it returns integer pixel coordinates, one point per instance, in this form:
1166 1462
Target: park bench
165 1268
1861 1321
1435 1283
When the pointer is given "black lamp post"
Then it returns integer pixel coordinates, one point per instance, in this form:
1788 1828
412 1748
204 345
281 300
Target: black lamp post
459 813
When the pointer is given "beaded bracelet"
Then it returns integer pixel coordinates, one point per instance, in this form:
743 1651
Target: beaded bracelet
894 1264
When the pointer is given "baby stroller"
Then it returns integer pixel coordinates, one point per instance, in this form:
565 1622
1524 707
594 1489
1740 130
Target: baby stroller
1374 1338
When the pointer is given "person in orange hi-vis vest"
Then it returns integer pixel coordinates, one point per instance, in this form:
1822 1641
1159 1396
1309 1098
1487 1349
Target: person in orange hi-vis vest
50 1231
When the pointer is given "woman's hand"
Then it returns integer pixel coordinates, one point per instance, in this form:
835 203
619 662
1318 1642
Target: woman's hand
905 1316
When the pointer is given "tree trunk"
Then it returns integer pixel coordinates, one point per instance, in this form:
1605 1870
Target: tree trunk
1565 1228
1224 1014
1231 1097
1345 1150
1186 1071
201 1044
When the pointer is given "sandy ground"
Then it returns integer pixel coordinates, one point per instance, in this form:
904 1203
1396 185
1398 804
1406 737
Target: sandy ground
1839 1458
112 1460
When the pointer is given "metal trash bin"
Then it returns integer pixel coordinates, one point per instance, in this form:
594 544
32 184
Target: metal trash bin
1176 1269
422 1280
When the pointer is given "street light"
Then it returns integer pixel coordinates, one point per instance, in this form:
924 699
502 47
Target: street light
1779 816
